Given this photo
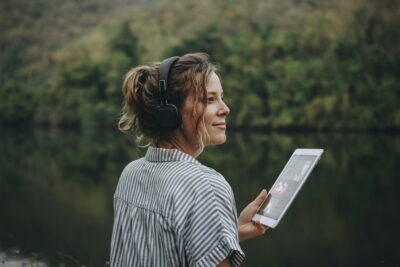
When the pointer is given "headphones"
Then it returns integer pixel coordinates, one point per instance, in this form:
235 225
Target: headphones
166 115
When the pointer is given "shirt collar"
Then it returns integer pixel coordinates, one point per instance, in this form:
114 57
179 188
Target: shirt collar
157 154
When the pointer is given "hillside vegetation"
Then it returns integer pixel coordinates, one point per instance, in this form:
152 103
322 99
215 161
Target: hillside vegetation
285 64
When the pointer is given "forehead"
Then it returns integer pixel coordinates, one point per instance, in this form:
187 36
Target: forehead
214 84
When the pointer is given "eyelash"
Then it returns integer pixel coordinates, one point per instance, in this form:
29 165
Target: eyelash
211 99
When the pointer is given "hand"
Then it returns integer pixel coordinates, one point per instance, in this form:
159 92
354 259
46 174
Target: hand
247 228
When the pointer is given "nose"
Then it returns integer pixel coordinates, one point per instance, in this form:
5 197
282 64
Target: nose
224 109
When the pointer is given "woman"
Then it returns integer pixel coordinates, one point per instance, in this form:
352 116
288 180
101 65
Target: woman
169 209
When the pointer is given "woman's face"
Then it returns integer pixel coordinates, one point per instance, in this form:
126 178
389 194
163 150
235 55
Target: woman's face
214 116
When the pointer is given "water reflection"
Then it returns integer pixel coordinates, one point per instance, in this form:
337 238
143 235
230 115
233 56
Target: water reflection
57 187
13 259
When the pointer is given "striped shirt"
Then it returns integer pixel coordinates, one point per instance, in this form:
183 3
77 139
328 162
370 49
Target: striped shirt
170 210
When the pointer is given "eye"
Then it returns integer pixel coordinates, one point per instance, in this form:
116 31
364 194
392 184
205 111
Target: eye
210 99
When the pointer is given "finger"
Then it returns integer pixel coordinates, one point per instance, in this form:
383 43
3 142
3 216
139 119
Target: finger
261 197
260 226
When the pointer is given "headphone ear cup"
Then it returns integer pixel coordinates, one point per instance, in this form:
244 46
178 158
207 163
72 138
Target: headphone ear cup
167 117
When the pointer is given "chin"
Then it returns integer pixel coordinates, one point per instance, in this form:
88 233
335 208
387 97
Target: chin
217 140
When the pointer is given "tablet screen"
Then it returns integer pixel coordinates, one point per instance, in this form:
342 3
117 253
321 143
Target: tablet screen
286 185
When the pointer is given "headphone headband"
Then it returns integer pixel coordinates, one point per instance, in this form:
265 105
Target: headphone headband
167 115
163 74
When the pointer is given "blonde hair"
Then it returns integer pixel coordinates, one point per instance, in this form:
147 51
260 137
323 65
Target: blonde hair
189 75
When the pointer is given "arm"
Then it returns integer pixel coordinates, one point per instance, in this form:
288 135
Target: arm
224 263
209 227
247 228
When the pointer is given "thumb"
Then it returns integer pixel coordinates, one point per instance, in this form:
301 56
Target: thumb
260 198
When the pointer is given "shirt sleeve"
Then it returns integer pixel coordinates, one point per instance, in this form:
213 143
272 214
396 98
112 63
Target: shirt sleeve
209 227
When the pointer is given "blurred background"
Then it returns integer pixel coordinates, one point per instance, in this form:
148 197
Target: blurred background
296 73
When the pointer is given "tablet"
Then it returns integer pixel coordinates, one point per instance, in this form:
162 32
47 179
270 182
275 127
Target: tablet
286 187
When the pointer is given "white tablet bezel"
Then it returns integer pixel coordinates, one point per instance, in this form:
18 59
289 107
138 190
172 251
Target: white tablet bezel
272 223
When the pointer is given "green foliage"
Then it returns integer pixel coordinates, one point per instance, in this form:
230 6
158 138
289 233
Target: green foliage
125 41
86 93
16 105
331 66
208 41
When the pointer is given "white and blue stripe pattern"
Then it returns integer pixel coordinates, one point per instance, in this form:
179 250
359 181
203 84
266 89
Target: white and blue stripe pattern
170 210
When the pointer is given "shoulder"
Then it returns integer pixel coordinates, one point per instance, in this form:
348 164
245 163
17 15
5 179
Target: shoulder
129 171
131 168
207 189
217 181
198 177
132 165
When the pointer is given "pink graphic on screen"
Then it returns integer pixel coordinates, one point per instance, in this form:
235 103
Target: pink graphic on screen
280 188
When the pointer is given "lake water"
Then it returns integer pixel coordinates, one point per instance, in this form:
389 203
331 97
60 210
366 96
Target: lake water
56 193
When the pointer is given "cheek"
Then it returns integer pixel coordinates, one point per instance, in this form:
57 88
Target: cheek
208 115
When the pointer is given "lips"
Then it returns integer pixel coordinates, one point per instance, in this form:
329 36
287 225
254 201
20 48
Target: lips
220 125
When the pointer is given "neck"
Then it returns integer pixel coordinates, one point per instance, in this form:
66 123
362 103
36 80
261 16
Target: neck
177 141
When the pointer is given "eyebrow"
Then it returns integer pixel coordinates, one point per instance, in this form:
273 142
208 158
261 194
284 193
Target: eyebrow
214 93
